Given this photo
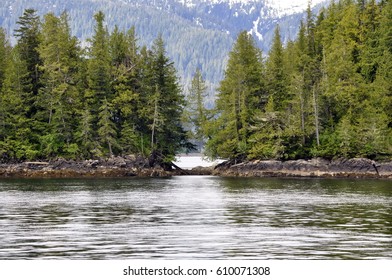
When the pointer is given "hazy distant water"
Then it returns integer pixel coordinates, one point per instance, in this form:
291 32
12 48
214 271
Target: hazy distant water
193 160
195 218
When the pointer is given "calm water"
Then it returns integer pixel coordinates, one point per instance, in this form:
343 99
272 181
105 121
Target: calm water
196 218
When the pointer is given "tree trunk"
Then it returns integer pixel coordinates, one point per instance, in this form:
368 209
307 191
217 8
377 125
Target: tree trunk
154 122
110 148
316 117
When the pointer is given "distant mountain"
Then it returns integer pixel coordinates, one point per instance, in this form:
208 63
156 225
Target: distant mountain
259 17
198 33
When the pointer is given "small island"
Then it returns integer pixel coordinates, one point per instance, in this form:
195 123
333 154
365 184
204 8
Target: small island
316 106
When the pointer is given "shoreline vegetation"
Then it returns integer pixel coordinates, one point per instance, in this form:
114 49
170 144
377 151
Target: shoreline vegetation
137 166
325 95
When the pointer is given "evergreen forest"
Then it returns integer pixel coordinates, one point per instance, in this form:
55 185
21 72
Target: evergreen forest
326 94
111 98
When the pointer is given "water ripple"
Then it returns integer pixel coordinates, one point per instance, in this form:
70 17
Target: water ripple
195 218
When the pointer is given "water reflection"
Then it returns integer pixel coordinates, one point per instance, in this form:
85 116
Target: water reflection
195 217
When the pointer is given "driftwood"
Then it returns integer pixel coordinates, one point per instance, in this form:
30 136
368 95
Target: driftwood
376 168
183 172
36 163
156 159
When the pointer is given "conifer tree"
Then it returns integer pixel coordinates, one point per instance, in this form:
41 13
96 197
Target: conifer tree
58 95
126 84
4 53
117 47
28 35
383 79
146 101
99 66
19 140
299 102
285 106
341 60
302 127
276 75
369 40
22 85
106 128
84 136
196 113
167 133
267 139
240 96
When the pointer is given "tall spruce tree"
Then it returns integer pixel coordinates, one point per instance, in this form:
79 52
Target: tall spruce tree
297 100
240 96
383 84
4 54
28 36
126 84
267 139
99 67
302 127
166 107
19 91
85 137
58 96
369 16
4 62
107 130
196 114
19 141
277 80
99 84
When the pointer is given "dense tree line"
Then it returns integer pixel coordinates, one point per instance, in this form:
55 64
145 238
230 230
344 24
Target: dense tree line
328 93
111 98
189 46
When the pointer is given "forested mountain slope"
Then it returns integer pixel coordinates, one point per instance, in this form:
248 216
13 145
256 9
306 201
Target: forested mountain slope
198 33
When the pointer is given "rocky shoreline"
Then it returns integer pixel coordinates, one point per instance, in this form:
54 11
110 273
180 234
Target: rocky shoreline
129 166
317 167
133 166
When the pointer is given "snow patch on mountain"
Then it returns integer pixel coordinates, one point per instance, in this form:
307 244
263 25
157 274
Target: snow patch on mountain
187 3
280 7
287 7
255 31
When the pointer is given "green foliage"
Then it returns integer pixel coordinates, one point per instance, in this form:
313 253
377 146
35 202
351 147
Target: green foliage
276 73
4 53
58 96
99 75
240 93
84 135
28 35
329 91
103 101
166 102
267 139
195 114
106 127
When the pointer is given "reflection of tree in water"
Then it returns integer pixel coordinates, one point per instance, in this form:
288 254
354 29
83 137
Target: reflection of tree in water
47 215
108 214
242 215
